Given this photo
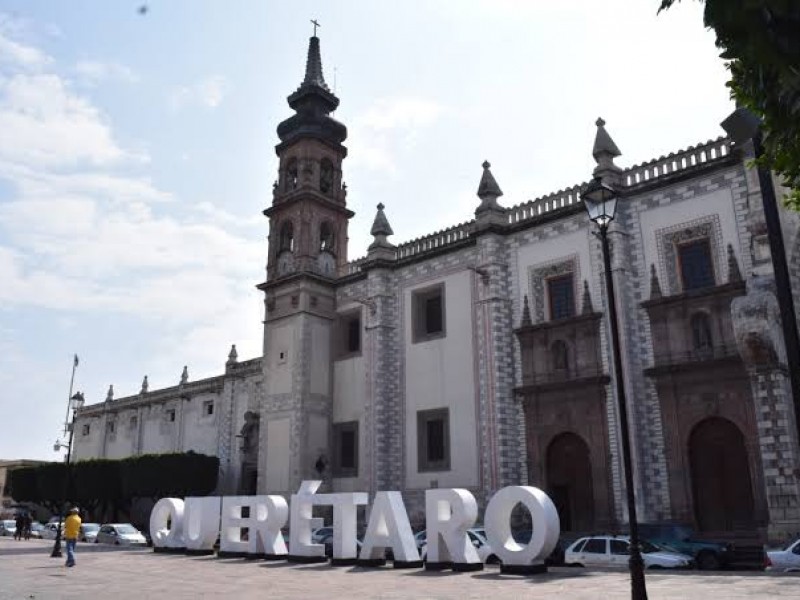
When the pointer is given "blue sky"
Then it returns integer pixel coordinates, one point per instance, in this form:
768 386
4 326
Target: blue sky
137 152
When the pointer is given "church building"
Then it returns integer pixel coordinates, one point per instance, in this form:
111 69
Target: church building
479 356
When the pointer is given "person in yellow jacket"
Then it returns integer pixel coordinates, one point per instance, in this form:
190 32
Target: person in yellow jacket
72 528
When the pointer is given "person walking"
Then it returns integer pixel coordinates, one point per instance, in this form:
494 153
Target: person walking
19 523
72 528
28 524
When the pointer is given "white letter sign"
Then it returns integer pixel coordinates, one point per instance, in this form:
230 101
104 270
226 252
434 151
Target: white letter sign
544 537
448 515
389 528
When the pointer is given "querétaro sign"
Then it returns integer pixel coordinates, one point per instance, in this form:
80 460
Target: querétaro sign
193 526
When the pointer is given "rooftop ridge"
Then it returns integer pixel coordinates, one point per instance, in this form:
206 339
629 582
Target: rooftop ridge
173 390
635 175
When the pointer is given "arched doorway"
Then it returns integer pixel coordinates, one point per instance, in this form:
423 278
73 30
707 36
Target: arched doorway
569 481
720 471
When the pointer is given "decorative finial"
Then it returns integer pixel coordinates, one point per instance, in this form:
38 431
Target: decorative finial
655 286
233 356
145 385
587 307
380 246
488 191
184 375
604 151
314 21
734 274
526 311
110 393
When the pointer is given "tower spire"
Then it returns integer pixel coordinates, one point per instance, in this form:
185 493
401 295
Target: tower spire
314 74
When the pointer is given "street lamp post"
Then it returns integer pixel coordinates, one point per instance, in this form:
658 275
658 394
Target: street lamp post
742 125
75 402
600 200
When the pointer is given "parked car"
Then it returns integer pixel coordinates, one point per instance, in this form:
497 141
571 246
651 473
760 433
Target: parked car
319 535
119 534
8 527
784 560
88 532
708 555
49 531
478 538
36 530
611 551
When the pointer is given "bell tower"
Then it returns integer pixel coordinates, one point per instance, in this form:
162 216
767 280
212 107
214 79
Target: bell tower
308 217
307 247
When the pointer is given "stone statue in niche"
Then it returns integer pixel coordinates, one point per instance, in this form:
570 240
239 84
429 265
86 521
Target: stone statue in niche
326 176
249 435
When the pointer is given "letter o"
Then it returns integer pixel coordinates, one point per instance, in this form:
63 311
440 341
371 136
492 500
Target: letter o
544 516
167 510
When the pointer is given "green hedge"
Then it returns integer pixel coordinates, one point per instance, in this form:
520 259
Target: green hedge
115 483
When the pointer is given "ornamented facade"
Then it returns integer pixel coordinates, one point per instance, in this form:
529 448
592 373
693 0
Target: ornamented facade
478 356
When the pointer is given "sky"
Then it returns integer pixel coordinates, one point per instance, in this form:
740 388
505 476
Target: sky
137 153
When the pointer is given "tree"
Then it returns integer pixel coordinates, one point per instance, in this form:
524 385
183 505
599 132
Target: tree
114 484
760 39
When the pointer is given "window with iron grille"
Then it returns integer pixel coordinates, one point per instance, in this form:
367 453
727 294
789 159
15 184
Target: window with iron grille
428 313
696 265
433 440
561 294
345 444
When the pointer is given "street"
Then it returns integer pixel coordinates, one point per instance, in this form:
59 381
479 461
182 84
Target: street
27 572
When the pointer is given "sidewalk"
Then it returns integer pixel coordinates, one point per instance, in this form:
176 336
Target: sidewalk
27 572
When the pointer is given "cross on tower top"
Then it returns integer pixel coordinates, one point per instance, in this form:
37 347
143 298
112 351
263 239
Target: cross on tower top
314 22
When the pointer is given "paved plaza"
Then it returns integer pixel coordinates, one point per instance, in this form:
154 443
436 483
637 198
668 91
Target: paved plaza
28 573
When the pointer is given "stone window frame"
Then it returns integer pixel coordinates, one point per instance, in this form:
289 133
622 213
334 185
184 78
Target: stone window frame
86 429
424 464
338 430
342 334
668 239
133 422
418 321
208 404
537 284
170 415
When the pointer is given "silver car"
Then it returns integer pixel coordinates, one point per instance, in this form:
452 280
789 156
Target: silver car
8 527
88 532
614 551
120 534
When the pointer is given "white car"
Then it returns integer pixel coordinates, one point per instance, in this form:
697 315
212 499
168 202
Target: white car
784 560
8 527
478 539
88 532
49 531
614 551
120 534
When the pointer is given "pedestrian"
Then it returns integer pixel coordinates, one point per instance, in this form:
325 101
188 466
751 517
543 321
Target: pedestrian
19 522
28 521
72 528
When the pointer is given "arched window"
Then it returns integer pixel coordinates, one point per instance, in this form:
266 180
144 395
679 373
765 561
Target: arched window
325 237
559 354
326 176
291 174
701 331
287 237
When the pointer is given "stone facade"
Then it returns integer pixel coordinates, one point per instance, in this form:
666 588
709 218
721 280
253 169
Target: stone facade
479 356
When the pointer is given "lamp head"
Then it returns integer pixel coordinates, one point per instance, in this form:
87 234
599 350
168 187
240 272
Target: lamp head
77 401
56 446
600 200
741 125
